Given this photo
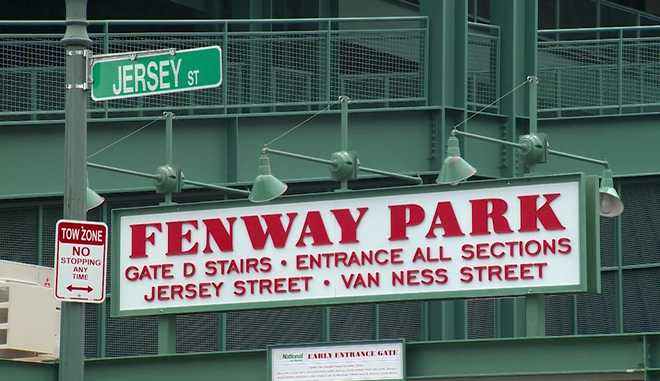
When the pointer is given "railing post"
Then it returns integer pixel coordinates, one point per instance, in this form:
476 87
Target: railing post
620 71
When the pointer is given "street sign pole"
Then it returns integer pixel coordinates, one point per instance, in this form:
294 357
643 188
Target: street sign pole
76 42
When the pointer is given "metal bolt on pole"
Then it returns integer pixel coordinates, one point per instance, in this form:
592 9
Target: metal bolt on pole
76 42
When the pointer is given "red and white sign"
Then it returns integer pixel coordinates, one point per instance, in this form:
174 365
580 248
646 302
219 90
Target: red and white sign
346 362
373 246
80 258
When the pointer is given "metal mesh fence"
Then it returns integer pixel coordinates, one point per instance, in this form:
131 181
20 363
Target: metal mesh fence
559 314
267 66
597 313
353 322
481 318
258 329
197 332
401 320
640 225
16 226
483 66
612 71
641 295
130 336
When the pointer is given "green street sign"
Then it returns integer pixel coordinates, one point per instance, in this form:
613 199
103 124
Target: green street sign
138 74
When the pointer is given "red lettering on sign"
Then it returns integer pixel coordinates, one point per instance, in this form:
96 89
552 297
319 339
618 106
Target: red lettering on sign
530 215
402 216
481 215
347 224
274 229
176 237
222 236
314 228
139 238
445 218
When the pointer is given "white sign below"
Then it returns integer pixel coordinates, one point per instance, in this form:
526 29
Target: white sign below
80 258
346 362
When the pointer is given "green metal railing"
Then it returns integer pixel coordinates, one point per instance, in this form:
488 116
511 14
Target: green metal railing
599 71
268 65
483 80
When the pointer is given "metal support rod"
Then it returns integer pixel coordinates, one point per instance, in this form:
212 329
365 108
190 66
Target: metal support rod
75 40
297 156
122 170
343 184
604 163
413 179
533 82
169 148
534 304
169 143
486 138
156 177
344 123
217 187
416 180
167 323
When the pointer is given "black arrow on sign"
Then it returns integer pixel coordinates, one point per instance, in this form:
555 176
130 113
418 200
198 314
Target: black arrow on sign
86 289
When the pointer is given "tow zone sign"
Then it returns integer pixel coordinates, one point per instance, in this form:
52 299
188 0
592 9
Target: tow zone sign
80 259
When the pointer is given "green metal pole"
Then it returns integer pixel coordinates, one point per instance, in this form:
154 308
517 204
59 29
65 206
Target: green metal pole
76 42
169 148
534 304
326 322
167 323
533 82
344 133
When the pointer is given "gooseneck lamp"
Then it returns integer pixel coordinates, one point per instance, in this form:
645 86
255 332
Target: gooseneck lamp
266 187
454 168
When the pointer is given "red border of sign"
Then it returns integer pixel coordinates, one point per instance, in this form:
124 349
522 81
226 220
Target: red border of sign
57 261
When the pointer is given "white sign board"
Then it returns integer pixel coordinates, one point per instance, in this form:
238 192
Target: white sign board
345 362
417 243
80 258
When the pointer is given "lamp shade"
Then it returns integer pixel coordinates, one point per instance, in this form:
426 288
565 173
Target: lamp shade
92 199
266 187
610 202
454 168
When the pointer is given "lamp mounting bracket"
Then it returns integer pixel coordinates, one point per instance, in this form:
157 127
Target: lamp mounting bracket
534 148
345 165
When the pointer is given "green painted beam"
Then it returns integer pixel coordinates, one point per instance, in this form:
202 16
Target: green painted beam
514 357
245 366
624 354
26 371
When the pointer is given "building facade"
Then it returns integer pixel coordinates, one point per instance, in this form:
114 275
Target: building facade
413 70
